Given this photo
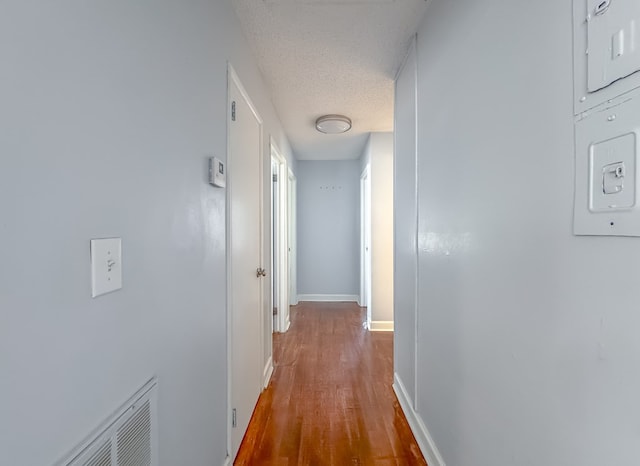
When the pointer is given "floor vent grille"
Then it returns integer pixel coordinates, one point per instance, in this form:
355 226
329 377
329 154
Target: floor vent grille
127 438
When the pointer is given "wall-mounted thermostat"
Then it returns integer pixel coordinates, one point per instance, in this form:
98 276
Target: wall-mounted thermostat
217 174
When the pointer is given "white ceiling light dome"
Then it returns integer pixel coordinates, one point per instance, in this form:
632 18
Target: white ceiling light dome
333 124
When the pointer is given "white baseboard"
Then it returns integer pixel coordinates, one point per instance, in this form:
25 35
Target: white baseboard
286 327
266 373
381 326
420 432
329 297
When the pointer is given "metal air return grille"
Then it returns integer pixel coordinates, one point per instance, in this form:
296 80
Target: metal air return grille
127 438
102 457
134 439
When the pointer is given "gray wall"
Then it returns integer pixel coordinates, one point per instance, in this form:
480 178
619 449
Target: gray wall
109 110
328 227
405 225
524 356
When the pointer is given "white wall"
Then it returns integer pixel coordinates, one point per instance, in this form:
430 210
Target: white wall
109 111
378 154
524 355
328 228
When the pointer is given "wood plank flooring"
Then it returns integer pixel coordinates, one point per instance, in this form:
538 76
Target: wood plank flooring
330 400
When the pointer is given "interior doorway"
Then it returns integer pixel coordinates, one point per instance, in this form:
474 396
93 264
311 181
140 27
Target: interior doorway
293 245
365 242
280 241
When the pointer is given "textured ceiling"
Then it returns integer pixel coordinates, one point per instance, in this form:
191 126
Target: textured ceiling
330 56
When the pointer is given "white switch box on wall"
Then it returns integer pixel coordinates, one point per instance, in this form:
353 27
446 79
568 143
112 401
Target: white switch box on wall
606 40
607 171
613 40
106 266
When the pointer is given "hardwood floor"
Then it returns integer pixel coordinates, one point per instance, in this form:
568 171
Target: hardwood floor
330 400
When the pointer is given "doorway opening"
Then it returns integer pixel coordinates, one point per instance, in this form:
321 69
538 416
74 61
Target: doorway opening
293 242
280 270
365 242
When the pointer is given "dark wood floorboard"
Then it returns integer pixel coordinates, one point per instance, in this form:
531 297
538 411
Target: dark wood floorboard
330 400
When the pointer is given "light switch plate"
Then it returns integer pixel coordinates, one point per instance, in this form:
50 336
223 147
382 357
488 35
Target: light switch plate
607 198
106 266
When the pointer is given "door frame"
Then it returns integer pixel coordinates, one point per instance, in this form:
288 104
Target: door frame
365 241
281 275
282 239
233 79
292 186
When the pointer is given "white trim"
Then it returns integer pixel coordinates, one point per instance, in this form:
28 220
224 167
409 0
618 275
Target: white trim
413 50
227 461
282 238
420 432
287 324
366 298
416 314
381 326
229 310
322 298
232 75
267 372
293 289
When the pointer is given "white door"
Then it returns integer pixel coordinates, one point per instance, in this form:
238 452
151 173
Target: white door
245 260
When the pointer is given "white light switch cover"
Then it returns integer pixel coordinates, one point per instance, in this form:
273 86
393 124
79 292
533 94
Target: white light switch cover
607 200
106 266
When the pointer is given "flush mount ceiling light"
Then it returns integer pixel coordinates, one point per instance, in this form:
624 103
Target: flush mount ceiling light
333 124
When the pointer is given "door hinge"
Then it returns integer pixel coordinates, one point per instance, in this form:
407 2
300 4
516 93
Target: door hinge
275 311
234 421
275 178
233 111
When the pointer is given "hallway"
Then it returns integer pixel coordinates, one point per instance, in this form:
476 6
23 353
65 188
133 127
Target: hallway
330 400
